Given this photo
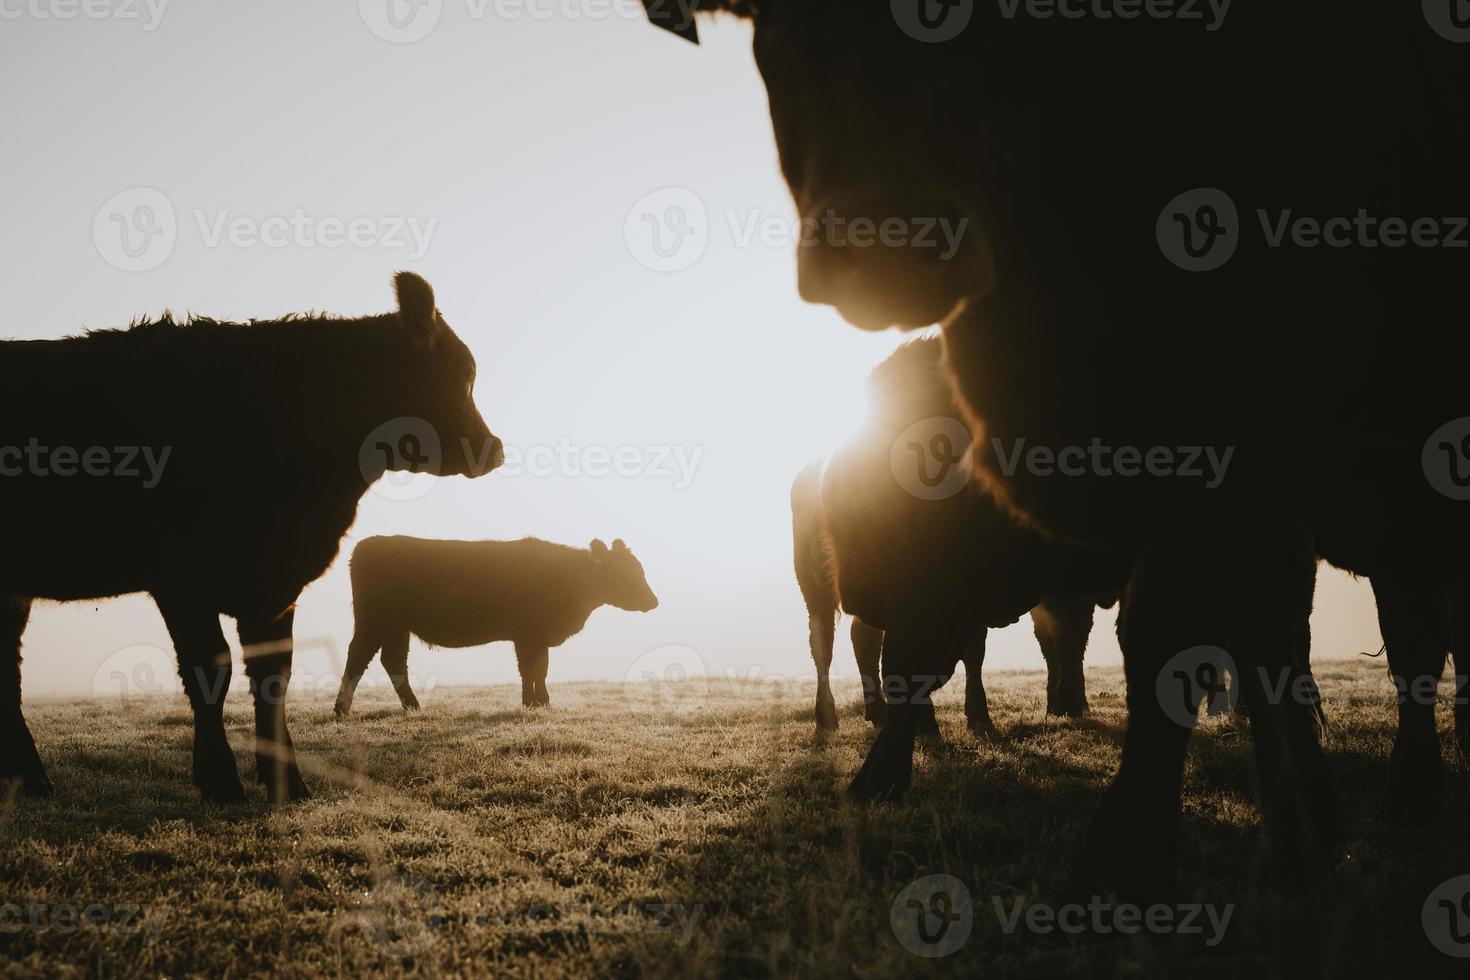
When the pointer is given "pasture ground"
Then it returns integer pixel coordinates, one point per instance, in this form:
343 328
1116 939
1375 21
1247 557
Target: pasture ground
679 830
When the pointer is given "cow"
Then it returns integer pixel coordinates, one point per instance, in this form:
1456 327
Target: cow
536 594
220 465
1153 258
1061 624
935 571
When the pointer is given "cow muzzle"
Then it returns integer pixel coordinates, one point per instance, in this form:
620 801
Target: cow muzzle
882 265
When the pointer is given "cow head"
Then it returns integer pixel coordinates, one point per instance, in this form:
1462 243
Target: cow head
621 577
424 410
868 121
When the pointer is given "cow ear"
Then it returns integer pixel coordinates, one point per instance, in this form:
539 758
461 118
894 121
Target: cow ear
618 545
676 16
599 550
415 306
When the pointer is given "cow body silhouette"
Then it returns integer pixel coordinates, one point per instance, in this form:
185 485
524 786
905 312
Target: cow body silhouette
265 429
534 593
936 574
1186 268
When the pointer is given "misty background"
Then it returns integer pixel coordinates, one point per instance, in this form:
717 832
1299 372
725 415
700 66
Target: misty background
240 160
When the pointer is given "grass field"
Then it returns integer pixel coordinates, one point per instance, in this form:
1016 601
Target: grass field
673 830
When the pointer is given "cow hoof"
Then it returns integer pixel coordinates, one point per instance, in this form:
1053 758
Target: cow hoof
983 729
36 784
877 713
826 716
1067 708
340 714
222 792
887 772
410 706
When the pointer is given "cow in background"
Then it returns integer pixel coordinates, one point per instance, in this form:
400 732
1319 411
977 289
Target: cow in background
225 462
1062 625
534 593
935 572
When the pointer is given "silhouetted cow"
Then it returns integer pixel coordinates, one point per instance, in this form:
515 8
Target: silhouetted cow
935 574
216 466
468 593
1171 265
1061 624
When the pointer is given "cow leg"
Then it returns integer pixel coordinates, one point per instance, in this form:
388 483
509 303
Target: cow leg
1414 623
914 666
395 662
867 648
820 630
1270 640
977 709
1062 625
18 755
360 653
1459 602
204 667
533 660
268 653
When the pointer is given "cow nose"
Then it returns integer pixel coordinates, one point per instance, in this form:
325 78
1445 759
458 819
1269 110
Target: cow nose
885 265
497 453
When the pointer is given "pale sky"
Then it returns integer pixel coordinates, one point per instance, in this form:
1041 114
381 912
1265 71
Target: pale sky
507 155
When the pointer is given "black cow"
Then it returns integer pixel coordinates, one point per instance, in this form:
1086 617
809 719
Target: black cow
936 573
468 593
1062 625
1136 272
215 466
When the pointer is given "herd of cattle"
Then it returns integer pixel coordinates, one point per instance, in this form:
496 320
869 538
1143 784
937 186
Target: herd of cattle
1322 372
